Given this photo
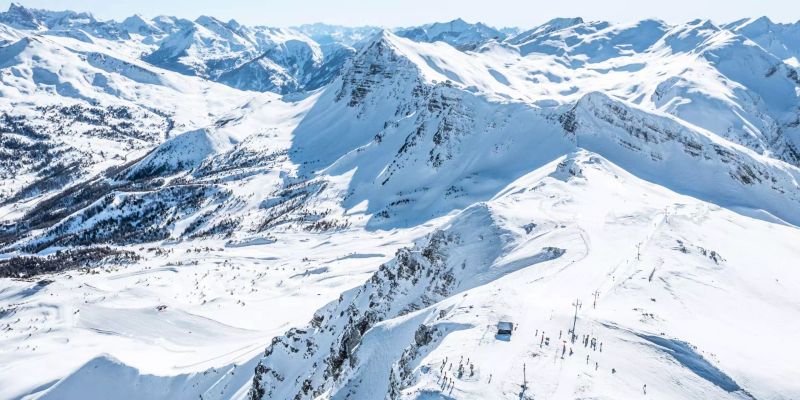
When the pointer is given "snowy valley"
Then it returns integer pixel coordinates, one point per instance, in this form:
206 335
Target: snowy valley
200 209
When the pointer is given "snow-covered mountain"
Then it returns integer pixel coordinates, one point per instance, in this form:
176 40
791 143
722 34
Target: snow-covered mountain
250 58
778 39
257 58
202 209
326 34
66 22
458 33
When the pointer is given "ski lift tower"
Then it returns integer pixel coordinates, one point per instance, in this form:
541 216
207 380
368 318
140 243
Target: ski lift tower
577 305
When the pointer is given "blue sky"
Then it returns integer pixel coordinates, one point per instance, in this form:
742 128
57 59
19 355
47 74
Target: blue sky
390 13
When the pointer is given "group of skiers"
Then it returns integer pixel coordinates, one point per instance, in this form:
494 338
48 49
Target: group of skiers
460 371
544 340
592 343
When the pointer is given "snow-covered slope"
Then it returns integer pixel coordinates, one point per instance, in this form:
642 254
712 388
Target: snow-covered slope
397 195
669 276
779 39
439 143
71 110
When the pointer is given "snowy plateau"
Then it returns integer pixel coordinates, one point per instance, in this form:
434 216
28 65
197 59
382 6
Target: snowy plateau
199 209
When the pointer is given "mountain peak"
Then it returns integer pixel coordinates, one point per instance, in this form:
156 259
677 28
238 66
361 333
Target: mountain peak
16 7
378 42
139 24
136 17
458 22
234 24
564 22
763 20
208 20
20 17
382 35
553 25
756 24
703 24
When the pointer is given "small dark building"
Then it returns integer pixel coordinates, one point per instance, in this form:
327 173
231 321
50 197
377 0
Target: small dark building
505 328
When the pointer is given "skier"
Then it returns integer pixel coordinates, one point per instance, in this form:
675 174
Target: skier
644 388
